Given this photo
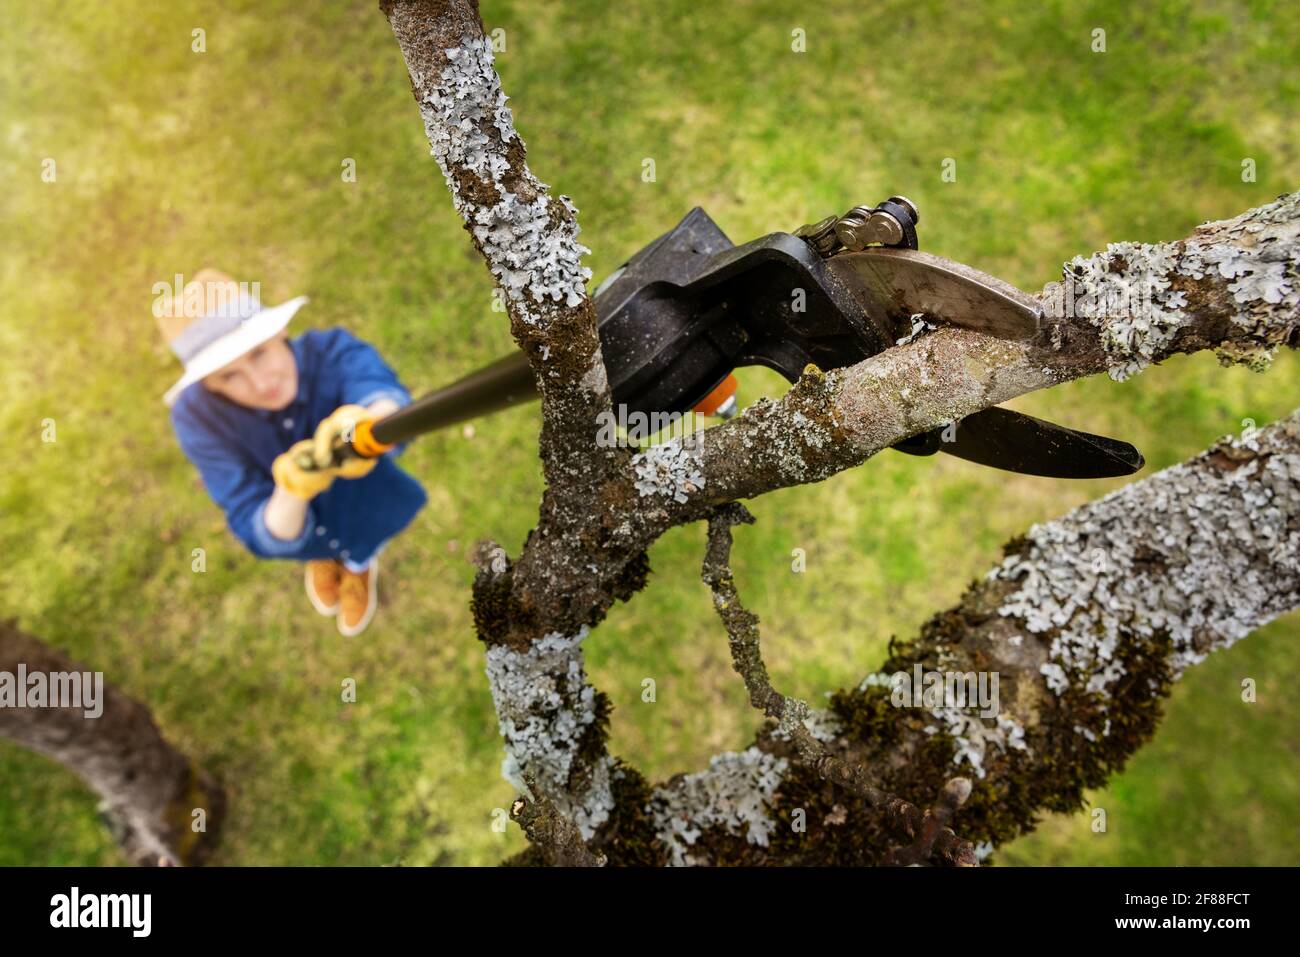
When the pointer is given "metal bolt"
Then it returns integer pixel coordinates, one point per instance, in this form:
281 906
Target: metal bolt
908 205
883 228
851 230
820 235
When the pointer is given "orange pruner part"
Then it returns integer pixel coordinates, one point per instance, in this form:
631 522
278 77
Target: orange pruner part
365 443
716 399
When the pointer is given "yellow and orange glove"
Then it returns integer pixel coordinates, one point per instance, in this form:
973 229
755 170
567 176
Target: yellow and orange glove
306 483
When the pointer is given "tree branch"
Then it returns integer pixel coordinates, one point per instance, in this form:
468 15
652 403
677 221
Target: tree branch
1087 623
528 238
149 790
1232 286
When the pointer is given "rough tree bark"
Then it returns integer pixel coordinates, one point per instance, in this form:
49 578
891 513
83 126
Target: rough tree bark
149 790
1088 620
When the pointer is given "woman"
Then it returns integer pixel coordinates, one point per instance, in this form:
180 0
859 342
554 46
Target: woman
253 402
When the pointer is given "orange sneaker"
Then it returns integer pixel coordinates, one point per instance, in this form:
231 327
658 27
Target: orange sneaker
322 579
358 598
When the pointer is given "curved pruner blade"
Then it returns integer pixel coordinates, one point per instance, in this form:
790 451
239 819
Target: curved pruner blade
908 282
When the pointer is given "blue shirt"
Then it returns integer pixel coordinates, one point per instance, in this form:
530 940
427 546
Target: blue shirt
233 447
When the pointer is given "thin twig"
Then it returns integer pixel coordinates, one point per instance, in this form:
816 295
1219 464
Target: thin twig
926 830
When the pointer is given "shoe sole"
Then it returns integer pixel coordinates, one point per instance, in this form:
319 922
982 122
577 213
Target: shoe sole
372 604
327 610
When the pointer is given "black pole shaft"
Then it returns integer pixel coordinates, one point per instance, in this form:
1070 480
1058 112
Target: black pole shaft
506 382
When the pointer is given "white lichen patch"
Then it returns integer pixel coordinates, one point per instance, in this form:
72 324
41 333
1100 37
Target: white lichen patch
1204 552
821 723
544 705
971 733
1128 292
593 806
1125 291
673 469
735 793
812 434
876 679
973 736
534 261
789 443
1263 267
594 380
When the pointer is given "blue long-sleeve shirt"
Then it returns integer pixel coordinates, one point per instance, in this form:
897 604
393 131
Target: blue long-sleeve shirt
233 447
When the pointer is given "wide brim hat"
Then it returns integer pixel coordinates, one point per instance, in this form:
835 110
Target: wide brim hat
212 321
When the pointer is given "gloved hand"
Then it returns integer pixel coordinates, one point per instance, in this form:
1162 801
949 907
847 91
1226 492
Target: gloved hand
293 471
300 482
341 422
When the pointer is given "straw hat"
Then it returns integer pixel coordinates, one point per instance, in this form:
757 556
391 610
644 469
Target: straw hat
213 321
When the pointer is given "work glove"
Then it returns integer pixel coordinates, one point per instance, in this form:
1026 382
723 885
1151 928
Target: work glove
341 422
300 470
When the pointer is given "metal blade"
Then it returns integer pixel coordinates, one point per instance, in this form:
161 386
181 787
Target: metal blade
1016 442
907 282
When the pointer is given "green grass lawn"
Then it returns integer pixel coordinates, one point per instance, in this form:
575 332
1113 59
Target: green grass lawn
167 160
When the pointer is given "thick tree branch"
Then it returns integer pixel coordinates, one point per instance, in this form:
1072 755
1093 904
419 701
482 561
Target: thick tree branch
527 237
1087 623
149 790
529 241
